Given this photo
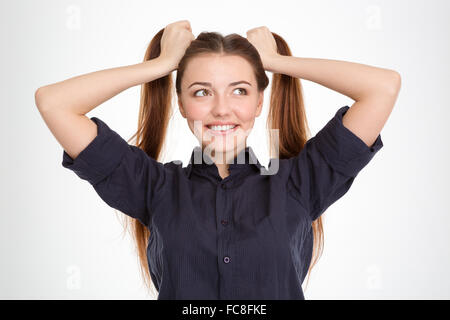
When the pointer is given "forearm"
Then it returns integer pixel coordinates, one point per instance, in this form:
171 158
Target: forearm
354 80
83 93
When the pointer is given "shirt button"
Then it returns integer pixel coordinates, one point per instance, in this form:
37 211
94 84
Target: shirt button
223 186
224 222
226 259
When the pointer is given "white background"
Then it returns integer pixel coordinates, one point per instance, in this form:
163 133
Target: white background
387 238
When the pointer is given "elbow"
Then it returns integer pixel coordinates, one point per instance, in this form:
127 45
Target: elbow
40 99
393 83
387 88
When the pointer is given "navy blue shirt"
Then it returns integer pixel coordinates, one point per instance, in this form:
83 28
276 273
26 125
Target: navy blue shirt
247 236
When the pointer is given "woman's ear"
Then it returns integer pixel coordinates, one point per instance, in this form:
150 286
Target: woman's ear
260 103
180 106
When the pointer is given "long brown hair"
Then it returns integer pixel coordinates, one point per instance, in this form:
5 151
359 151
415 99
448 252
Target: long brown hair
286 113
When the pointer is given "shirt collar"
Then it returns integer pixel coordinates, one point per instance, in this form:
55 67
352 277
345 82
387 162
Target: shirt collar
245 159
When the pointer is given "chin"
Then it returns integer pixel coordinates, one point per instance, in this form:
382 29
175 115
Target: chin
222 148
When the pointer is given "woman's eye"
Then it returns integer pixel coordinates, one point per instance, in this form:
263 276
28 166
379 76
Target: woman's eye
195 93
206 90
245 91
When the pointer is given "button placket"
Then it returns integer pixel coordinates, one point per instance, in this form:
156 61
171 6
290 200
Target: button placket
223 208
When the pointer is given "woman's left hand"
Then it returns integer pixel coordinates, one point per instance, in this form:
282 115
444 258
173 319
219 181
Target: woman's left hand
262 39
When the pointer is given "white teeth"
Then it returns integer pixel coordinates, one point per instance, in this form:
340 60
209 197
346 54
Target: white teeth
221 128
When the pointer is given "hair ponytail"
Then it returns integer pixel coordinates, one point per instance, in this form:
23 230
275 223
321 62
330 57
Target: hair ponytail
154 113
287 113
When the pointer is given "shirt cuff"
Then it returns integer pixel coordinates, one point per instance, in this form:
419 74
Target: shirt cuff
101 156
342 149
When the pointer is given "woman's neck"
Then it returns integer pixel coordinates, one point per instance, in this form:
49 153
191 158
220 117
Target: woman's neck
223 159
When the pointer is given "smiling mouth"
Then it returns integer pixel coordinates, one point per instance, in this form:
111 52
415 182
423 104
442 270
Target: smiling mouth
221 130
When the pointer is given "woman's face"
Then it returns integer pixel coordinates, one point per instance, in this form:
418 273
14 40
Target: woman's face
220 90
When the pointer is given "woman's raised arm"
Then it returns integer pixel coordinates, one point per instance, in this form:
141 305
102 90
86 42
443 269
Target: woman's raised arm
64 105
374 89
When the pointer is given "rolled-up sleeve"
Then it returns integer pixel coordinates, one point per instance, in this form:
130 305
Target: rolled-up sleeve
327 165
123 175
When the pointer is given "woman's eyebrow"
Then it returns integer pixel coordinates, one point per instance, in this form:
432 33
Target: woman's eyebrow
208 84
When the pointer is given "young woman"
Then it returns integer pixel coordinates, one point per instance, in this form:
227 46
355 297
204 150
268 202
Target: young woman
223 227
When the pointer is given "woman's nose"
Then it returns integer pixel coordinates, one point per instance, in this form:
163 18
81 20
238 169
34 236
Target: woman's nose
221 107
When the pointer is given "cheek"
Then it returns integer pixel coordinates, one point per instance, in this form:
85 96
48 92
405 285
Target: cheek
196 117
196 114
246 115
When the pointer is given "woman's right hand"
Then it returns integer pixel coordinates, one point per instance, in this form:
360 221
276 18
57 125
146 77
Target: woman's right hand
176 38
